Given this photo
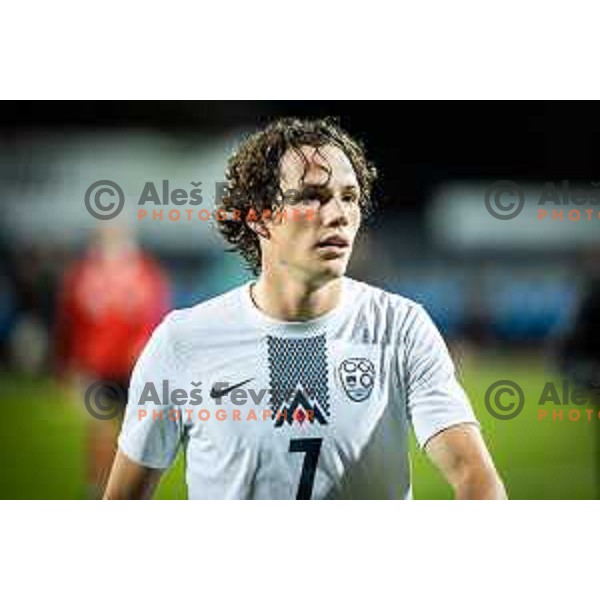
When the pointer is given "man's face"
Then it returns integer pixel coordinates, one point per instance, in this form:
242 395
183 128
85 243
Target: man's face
316 239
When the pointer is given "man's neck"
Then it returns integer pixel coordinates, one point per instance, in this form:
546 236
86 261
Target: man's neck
292 300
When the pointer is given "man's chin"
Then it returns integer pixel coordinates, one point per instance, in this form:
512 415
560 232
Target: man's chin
321 272
333 269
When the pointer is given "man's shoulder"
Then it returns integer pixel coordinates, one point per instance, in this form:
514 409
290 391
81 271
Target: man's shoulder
380 298
382 315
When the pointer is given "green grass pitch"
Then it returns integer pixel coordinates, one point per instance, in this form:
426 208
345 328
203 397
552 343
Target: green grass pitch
42 441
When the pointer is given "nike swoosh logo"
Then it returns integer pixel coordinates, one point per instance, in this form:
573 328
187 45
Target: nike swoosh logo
224 391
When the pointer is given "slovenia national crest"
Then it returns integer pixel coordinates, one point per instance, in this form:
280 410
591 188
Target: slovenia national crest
357 376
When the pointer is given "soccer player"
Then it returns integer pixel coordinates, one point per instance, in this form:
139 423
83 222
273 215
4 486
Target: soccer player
303 383
109 303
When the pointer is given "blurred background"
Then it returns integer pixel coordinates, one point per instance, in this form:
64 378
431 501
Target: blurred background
504 292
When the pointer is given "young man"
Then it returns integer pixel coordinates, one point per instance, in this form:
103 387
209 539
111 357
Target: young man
308 380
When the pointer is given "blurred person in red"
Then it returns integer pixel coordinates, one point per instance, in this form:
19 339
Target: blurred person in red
109 303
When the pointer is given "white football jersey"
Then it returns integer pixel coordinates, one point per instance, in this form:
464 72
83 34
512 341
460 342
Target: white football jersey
274 409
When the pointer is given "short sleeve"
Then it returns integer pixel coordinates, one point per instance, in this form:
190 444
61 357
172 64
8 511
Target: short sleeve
435 398
148 441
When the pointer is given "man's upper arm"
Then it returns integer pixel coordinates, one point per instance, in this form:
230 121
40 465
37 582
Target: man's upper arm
441 414
461 455
435 398
149 439
130 480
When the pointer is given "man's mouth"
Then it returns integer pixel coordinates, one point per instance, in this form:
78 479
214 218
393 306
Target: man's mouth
333 241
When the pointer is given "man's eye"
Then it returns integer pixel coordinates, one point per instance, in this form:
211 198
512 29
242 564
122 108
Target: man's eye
310 198
349 198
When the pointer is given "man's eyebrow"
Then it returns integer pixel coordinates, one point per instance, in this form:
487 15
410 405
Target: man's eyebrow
320 187
323 189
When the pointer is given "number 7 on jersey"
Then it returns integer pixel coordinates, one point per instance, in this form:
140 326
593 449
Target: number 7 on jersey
312 447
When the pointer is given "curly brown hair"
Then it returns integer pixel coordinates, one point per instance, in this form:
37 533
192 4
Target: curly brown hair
253 175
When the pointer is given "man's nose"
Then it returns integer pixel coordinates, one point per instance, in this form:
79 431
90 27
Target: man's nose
334 213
